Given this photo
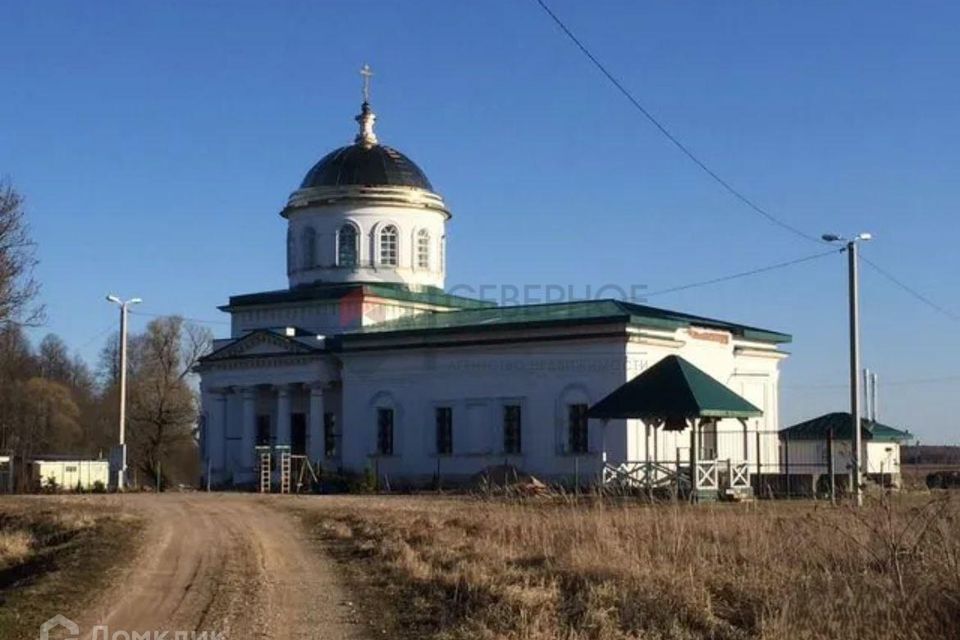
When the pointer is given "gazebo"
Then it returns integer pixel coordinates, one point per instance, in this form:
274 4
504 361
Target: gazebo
675 395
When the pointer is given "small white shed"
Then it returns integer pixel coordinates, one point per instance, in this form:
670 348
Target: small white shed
805 447
72 474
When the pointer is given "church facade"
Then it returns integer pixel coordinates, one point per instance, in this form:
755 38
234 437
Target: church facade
365 363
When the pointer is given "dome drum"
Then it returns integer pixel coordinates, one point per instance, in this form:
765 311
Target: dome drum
366 213
384 195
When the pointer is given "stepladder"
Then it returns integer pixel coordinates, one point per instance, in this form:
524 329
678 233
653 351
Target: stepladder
285 468
265 470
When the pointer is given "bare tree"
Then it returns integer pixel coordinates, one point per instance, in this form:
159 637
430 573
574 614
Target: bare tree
18 289
163 404
17 364
54 359
47 418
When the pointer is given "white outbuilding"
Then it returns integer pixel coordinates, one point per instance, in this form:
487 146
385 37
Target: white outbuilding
807 447
70 474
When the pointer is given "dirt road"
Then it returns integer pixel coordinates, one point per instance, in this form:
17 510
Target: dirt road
225 563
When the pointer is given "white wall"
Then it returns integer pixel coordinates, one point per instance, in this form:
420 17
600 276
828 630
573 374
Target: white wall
810 456
883 457
326 221
477 382
749 369
321 317
543 377
69 473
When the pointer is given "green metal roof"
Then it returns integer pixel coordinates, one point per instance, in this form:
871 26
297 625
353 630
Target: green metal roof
331 291
673 388
559 314
839 421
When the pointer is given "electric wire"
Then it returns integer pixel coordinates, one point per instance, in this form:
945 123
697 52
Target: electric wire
743 274
725 184
166 315
739 195
913 292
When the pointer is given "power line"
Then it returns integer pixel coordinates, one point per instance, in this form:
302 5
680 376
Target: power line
671 137
743 274
889 383
166 315
111 327
913 292
713 174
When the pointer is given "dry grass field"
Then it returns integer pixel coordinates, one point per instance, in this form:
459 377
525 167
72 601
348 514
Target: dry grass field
447 568
55 555
915 475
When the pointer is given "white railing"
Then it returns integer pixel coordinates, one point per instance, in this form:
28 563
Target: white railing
711 475
641 475
738 475
707 477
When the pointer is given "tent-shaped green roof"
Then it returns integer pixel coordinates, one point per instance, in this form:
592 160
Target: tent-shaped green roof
839 421
673 388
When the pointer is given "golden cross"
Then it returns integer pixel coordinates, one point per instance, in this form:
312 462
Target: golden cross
367 73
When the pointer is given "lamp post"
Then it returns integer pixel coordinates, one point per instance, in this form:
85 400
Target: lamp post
854 278
123 304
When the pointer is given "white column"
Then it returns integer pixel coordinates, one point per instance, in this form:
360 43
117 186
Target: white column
248 455
316 422
216 428
283 414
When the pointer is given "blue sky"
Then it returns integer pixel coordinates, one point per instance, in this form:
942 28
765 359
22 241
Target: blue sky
156 143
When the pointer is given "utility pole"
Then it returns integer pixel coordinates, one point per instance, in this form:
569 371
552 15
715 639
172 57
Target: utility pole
123 304
853 265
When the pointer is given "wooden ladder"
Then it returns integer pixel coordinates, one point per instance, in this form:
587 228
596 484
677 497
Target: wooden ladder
264 472
285 471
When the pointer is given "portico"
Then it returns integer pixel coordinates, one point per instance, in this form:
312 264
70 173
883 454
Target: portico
240 418
268 390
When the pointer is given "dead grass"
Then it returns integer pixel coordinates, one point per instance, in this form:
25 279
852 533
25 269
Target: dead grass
914 476
476 569
15 547
55 555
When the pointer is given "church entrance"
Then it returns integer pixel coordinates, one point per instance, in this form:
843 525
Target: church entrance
263 431
298 433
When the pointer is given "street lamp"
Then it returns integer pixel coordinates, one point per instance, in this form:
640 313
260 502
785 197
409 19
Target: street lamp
854 276
123 382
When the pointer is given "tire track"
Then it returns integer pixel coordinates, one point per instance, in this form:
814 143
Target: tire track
224 563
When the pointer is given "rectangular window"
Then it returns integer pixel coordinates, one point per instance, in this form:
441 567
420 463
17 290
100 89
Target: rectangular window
444 422
263 431
511 429
385 432
329 435
577 428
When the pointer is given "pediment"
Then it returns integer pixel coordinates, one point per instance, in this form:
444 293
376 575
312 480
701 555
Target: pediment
260 343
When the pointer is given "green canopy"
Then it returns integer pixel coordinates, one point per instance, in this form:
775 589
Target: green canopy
673 388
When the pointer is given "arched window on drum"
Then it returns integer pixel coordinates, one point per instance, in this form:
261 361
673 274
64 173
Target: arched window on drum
423 249
389 239
347 246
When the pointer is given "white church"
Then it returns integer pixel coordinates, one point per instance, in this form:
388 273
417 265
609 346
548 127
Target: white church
365 363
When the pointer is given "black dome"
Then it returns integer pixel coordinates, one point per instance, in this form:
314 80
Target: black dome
366 165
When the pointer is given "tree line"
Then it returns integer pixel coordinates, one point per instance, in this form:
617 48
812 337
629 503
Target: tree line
54 403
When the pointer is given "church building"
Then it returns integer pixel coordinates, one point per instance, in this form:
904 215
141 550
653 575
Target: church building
364 362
